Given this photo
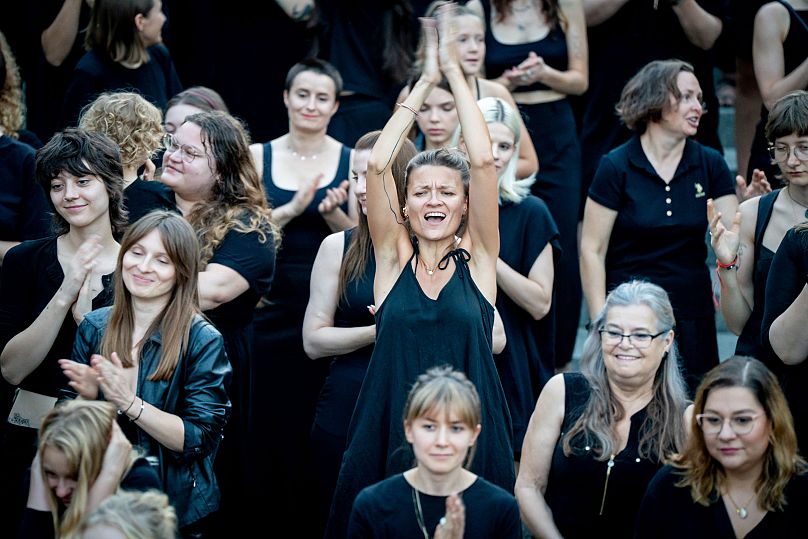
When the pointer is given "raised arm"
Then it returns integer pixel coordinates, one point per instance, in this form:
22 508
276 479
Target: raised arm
771 26
58 38
701 27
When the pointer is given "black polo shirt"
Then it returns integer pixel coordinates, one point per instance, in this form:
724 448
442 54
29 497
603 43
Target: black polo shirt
659 231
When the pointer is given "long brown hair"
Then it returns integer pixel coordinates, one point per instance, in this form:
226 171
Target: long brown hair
174 322
356 255
113 33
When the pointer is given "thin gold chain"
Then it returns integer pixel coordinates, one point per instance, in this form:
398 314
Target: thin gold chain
609 466
419 515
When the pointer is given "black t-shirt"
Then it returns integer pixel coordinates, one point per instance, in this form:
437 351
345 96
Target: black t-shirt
659 233
143 196
23 207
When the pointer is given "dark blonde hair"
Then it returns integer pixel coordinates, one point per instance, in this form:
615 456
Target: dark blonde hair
11 109
548 7
175 320
648 94
237 194
81 430
137 514
443 388
704 475
133 123
113 33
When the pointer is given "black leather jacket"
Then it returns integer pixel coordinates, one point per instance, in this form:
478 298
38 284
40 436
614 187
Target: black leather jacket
196 393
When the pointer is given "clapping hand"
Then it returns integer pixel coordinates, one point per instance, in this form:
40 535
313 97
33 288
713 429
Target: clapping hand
78 276
725 241
112 381
447 38
529 71
334 198
305 195
453 524
83 378
430 70
757 187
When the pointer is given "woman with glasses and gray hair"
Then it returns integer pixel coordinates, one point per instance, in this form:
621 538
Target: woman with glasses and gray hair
740 474
596 438
645 215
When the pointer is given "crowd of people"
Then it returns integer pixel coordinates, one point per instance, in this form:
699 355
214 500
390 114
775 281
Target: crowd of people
362 324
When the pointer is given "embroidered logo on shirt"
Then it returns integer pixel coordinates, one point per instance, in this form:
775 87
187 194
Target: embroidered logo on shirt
699 190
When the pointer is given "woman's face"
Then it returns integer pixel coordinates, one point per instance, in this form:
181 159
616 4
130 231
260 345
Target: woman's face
437 118
440 440
793 167
81 201
186 165
148 272
436 202
470 43
176 115
311 101
629 360
151 25
60 476
359 173
736 407
503 145
684 114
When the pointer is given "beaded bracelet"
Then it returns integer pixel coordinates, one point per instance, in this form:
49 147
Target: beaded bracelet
409 108
121 412
731 265
142 405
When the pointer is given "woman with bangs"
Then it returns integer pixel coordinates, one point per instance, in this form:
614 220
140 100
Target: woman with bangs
161 363
83 459
135 125
125 50
50 284
529 249
740 474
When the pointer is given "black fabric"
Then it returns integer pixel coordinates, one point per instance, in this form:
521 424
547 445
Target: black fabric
576 483
528 360
749 340
787 278
500 57
23 207
156 80
669 512
414 333
196 393
386 509
142 197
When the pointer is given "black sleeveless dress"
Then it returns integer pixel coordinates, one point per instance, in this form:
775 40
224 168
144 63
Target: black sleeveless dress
414 333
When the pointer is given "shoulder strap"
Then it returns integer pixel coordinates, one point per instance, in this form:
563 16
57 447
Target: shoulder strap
795 15
764 215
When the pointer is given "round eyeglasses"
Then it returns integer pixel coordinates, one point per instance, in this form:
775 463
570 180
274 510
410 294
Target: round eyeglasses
637 340
740 424
781 152
187 153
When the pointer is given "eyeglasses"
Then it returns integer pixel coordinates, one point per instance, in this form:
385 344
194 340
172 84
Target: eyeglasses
187 153
781 152
740 424
637 340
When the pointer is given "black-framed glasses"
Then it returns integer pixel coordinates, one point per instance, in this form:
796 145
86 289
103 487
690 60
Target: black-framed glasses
637 340
740 424
187 153
781 152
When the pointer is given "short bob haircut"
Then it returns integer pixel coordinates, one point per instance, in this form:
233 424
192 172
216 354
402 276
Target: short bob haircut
648 94
789 115
704 475
315 65
201 97
441 389
83 153
130 121
113 33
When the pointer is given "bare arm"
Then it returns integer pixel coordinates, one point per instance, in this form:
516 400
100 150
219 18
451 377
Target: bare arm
219 284
771 26
534 292
320 337
58 38
4 247
701 28
297 10
600 11
541 437
498 337
787 333
597 229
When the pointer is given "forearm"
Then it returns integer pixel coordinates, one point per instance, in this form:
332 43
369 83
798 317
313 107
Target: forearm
734 307
593 281
333 341
337 220
700 27
472 123
284 213
536 515
26 350
167 429
599 11
787 333
105 485
58 38
526 293
568 82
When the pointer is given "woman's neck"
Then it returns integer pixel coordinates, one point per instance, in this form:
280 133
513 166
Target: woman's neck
745 480
76 236
432 251
145 311
424 481
798 193
129 176
660 144
185 206
306 142
632 397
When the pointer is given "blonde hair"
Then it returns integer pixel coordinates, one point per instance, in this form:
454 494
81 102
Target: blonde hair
138 515
133 123
11 110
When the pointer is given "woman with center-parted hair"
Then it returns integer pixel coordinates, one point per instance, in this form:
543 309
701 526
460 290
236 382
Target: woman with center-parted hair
161 363
50 284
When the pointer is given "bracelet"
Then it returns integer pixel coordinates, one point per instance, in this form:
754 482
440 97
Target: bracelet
731 265
142 405
121 412
409 108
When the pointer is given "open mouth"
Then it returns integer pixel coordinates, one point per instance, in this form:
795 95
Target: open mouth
435 217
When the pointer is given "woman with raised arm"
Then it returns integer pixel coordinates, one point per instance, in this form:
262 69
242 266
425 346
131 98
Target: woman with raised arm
435 285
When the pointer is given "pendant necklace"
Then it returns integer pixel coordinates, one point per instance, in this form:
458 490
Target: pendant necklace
429 270
741 509
419 515
795 203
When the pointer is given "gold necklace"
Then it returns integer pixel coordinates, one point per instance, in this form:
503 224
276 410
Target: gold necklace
419 514
741 509
429 270
795 203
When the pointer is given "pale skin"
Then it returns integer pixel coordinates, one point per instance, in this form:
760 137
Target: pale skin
435 188
58 38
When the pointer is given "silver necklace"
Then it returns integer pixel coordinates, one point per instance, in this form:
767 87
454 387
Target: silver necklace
302 157
740 510
419 515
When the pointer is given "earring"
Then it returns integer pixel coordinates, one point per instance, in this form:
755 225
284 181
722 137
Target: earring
404 211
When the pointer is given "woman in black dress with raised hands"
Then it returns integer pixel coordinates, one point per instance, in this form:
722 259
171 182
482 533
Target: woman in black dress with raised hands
435 286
